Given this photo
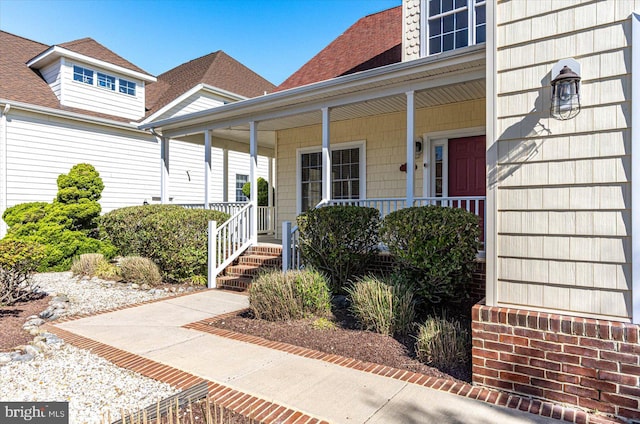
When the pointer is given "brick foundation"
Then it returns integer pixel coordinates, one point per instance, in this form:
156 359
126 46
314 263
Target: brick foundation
594 364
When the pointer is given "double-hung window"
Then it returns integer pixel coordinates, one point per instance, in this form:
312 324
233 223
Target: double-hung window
83 75
452 24
347 175
241 180
106 81
127 87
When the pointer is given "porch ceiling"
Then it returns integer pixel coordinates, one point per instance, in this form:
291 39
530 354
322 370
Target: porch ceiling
449 78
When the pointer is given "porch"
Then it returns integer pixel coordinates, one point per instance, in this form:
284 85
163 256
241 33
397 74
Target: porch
388 138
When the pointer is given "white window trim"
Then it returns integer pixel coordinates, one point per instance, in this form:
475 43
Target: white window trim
424 24
360 144
97 78
441 138
73 75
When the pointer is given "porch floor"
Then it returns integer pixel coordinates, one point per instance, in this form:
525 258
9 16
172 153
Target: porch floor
269 239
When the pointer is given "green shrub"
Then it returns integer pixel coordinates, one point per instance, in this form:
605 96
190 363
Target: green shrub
435 247
443 343
122 226
107 271
82 182
384 306
340 241
25 213
263 191
277 296
176 240
139 270
67 227
18 261
86 264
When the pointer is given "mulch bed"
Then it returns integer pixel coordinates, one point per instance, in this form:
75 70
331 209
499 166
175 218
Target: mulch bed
344 340
13 317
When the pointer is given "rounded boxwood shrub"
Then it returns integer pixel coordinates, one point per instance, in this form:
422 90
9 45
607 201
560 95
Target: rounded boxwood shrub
435 247
122 226
278 296
340 241
176 240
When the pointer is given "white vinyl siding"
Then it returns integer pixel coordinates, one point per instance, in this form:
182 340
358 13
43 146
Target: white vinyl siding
40 148
192 104
97 99
51 74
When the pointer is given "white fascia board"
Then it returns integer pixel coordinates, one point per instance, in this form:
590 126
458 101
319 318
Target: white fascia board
352 82
218 92
130 126
55 52
223 93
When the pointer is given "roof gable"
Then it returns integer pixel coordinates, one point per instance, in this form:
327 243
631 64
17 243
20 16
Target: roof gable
216 69
371 42
91 48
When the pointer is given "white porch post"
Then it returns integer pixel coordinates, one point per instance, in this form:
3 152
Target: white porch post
253 177
410 147
270 210
225 175
164 169
207 167
326 156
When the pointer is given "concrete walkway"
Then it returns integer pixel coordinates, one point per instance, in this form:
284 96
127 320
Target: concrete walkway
318 388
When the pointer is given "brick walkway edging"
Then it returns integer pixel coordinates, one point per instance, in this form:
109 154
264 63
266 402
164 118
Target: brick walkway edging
252 407
533 406
268 412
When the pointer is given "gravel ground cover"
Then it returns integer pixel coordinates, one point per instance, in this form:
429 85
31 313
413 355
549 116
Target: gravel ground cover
94 387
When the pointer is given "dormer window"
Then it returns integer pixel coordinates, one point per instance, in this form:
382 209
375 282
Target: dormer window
83 75
448 23
127 87
106 81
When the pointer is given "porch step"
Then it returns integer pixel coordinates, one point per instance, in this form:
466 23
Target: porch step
227 282
240 273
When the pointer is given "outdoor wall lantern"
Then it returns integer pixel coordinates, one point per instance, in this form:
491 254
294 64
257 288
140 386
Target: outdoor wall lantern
419 144
565 86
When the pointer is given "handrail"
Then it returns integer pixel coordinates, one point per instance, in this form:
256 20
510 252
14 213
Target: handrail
228 241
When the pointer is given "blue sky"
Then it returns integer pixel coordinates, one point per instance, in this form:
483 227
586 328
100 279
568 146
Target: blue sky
272 37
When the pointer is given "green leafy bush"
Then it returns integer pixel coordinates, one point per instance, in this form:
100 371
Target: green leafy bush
122 226
340 241
67 227
107 271
384 306
443 343
82 182
139 270
277 296
176 240
18 261
263 191
435 247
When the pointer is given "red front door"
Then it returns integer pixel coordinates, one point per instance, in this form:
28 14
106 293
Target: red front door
467 171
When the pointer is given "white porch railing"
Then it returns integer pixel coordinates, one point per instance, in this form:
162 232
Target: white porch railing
290 247
228 241
266 214
266 220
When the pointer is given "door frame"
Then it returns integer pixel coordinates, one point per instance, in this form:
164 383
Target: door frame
441 138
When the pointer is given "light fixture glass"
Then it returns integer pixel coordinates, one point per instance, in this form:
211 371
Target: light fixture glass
565 97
